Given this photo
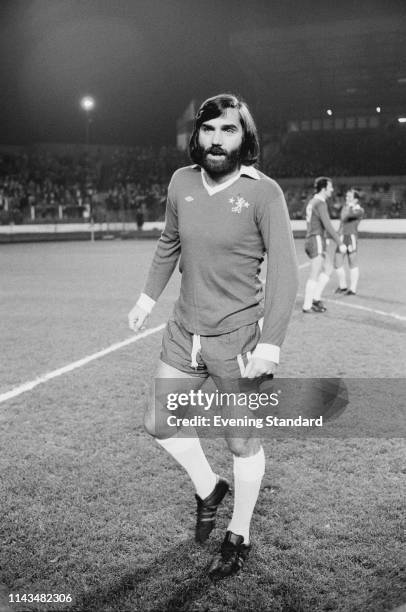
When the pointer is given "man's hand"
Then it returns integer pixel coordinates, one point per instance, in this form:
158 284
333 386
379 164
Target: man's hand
258 367
342 248
137 317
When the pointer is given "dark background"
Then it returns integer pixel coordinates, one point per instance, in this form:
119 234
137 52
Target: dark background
144 61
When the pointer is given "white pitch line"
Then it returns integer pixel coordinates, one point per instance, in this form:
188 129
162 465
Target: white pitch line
27 386
394 315
383 313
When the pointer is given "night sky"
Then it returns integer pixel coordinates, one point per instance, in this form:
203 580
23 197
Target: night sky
143 61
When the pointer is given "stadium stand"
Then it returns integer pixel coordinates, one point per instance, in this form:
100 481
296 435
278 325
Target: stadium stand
130 183
355 153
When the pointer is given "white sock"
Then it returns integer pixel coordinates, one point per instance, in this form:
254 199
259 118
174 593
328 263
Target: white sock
341 277
321 283
189 453
248 473
354 276
309 291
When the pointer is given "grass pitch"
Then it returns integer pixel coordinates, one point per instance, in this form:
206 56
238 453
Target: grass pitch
93 508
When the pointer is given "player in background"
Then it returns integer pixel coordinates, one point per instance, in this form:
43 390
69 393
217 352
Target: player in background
222 216
318 224
351 215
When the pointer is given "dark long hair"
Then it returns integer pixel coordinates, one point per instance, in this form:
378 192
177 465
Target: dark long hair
214 107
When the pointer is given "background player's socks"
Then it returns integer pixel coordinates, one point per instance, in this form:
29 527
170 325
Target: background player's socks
309 291
354 276
342 283
248 473
189 453
321 283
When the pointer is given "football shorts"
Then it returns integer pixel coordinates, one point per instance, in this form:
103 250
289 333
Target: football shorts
351 242
315 245
224 356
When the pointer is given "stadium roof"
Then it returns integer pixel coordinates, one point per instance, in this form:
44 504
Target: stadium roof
348 65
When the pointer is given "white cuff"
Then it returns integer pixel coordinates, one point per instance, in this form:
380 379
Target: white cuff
145 302
270 352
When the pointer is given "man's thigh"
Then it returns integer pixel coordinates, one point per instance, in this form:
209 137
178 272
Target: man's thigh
238 401
226 356
338 259
315 246
177 351
168 398
329 257
316 265
351 242
353 259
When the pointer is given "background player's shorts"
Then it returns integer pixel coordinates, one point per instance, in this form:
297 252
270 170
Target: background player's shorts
351 242
223 356
315 245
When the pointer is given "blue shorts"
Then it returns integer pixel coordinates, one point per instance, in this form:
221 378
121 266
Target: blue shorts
351 242
315 245
223 356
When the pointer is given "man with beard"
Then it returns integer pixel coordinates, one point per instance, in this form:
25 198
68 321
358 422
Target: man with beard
222 216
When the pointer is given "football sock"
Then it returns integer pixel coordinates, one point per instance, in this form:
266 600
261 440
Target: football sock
309 291
248 473
321 283
341 277
354 276
189 453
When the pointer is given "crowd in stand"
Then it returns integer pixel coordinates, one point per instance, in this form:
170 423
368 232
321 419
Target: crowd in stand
343 153
380 200
138 181
38 186
130 184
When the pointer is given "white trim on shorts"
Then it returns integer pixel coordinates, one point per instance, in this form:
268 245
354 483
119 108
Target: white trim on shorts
240 364
353 243
319 243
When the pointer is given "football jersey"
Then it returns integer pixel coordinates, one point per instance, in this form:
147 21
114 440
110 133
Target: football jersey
318 221
350 219
221 234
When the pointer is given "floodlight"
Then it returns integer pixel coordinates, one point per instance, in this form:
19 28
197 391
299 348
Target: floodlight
87 103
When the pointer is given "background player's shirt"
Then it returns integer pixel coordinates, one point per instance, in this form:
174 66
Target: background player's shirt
318 220
350 218
221 234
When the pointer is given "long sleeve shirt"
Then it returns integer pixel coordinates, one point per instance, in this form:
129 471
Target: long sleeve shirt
318 220
221 234
350 218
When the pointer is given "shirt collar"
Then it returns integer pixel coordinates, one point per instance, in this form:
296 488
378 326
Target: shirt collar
250 171
211 190
244 170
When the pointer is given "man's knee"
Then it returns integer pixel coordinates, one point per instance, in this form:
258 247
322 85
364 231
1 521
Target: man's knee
156 426
315 267
244 447
149 423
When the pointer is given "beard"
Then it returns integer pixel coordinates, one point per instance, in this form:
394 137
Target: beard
220 163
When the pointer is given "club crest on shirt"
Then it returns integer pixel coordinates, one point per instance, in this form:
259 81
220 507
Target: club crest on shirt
238 203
